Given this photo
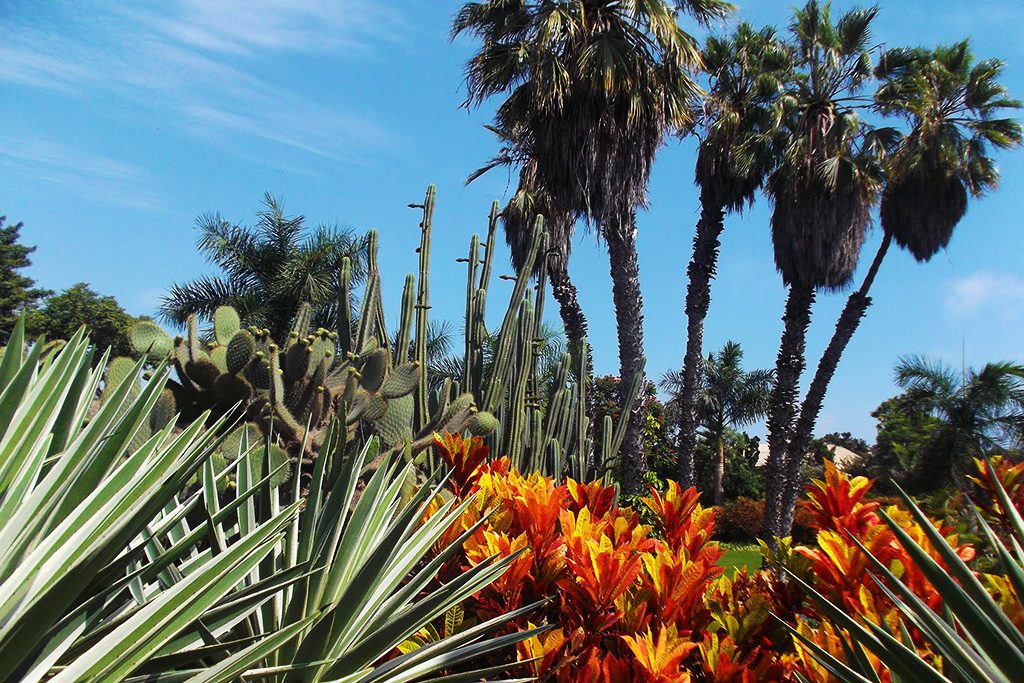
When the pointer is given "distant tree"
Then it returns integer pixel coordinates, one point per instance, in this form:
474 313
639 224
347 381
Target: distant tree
848 441
980 411
904 432
742 477
269 270
62 314
727 397
17 291
608 399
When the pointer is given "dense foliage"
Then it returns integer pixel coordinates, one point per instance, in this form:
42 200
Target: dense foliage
114 565
638 593
59 316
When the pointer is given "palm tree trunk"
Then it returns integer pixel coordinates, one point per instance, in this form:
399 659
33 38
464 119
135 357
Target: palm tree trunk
789 365
629 323
720 473
698 298
856 307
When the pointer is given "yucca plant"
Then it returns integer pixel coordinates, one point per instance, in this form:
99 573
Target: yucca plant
112 568
974 636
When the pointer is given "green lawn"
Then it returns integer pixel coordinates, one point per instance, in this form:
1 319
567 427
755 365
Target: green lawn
739 556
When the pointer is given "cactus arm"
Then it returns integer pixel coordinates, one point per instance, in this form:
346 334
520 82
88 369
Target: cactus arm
423 305
470 322
405 322
508 332
371 318
517 426
492 229
345 307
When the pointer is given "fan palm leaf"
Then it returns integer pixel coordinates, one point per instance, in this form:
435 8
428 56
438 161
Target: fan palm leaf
953 106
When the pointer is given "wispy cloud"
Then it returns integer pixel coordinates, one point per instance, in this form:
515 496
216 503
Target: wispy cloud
193 62
986 292
248 26
85 173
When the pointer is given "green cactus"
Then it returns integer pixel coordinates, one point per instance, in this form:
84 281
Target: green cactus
146 338
226 323
401 381
240 351
375 384
219 357
119 369
395 425
373 370
163 411
248 438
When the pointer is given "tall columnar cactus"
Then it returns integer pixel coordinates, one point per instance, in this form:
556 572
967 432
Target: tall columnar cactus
423 304
541 429
378 385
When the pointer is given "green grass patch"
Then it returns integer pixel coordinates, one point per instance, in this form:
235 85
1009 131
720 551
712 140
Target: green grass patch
738 556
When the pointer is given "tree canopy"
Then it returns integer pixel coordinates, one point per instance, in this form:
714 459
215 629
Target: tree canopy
62 314
17 290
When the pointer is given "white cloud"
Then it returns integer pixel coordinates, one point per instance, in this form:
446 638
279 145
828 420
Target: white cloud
192 63
247 26
986 292
88 174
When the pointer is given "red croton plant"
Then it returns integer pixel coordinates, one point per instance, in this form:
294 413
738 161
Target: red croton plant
632 601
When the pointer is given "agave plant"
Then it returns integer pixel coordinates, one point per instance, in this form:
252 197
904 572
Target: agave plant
974 636
112 568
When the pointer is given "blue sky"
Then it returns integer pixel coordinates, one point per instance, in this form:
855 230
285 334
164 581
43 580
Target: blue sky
121 122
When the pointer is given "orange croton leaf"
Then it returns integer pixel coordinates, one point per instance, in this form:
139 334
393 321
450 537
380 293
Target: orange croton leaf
595 496
826 637
724 661
836 503
685 525
660 660
596 664
677 587
544 648
464 457
599 572
1011 476
504 593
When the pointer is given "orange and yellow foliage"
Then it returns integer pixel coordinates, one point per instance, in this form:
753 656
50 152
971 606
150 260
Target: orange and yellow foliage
628 601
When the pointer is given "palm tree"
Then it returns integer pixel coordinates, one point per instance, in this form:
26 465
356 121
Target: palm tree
594 86
738 147
822 192
269 270
952 106
980 411
727 397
